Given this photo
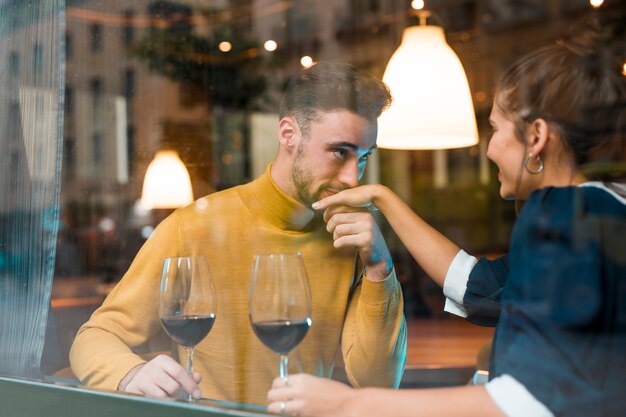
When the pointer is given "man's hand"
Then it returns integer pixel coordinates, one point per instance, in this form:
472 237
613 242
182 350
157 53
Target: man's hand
162 377
354 227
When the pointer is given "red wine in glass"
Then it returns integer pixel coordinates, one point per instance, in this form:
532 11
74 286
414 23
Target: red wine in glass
281 335
280 303
187 305
188 330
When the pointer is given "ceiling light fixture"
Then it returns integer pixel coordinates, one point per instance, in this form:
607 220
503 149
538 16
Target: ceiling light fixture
432 105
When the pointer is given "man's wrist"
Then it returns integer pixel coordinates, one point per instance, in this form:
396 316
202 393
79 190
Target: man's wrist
379 271
380 292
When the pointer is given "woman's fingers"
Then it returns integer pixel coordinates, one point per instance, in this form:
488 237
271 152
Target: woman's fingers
355 197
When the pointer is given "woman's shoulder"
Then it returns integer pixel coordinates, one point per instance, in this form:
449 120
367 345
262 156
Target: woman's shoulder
590 197
556 212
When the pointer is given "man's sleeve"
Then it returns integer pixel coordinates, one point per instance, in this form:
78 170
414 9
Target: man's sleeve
374 334
102 352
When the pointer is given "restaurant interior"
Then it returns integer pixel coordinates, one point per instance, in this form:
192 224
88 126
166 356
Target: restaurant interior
116 113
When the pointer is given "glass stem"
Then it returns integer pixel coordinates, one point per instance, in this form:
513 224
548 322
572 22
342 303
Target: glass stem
284 366
189 351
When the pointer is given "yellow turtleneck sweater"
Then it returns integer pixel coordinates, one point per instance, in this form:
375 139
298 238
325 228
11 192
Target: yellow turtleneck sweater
228 228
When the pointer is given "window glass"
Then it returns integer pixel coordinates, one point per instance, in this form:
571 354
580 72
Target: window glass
93 91
96 37
30 171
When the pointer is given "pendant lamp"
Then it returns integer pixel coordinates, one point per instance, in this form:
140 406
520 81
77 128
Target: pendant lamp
166 184
432 105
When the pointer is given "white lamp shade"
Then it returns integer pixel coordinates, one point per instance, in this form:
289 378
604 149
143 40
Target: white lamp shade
167 183
432 105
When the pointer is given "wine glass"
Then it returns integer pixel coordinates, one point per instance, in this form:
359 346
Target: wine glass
280 303
187 302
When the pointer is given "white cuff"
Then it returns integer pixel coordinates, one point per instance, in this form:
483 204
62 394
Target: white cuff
514 399
455 284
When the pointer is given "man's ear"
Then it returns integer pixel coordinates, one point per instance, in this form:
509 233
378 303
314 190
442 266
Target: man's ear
538 135
287 132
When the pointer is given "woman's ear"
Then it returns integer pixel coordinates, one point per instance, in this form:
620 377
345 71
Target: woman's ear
287 132
538 135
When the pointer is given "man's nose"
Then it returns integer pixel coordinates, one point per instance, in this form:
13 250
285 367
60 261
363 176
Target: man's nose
350 173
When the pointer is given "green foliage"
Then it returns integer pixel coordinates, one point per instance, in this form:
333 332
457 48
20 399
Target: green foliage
227 78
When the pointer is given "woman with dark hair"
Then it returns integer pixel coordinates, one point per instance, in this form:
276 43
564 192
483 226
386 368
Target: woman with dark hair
558 299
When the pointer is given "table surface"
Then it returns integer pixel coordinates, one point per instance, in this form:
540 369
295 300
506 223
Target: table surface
32 398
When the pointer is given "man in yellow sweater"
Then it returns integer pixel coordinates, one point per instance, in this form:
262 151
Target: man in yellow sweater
327 130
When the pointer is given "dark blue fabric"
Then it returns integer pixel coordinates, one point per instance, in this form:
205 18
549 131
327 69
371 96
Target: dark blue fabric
562 320
484 291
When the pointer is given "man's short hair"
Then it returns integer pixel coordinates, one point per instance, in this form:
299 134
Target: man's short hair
327 86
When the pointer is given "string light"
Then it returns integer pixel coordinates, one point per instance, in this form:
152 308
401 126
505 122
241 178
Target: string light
306 61
596 3
417 4
270 45
624 69
225 46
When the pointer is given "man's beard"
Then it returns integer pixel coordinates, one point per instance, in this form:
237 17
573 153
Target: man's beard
302 178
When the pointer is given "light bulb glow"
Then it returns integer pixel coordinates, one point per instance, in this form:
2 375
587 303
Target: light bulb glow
596 3
225 46
624 69
167 183
432 106
417 4
306 61
270 45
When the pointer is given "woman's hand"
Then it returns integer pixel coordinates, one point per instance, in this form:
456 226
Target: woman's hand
363 196
305 395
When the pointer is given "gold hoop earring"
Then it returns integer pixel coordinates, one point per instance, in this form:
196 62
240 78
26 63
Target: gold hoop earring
537 160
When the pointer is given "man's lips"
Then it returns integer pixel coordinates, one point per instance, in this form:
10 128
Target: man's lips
331 191
328 193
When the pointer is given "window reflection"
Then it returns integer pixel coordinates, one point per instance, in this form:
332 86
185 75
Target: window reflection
157 75
128 32
31 97
95 32
14 63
